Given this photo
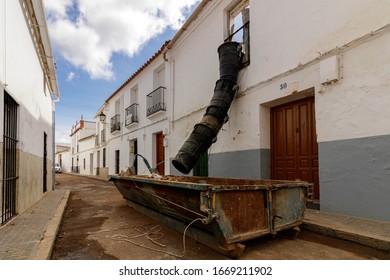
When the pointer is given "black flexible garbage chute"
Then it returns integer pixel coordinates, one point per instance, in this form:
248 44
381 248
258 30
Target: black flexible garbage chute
205 132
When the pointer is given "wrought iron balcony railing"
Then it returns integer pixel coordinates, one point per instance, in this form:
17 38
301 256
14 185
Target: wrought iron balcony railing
116 123
131 114
156 101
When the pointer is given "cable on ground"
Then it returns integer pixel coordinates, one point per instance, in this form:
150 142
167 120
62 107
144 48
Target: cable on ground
153 234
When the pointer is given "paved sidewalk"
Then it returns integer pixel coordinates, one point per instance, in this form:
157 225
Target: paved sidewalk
31 235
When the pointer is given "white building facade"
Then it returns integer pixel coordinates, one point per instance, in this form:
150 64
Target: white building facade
63 157
313 96
28 89
82 146
86 155
136 122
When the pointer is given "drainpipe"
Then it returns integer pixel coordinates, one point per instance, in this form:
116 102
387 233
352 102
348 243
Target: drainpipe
205 132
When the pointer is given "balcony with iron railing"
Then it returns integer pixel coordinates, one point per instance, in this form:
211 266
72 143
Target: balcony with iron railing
156 101
116 123
131 114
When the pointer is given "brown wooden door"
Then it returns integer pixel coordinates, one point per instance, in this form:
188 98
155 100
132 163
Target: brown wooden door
294 148
160 156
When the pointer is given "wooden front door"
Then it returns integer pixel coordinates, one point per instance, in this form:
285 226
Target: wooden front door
294 148
160 156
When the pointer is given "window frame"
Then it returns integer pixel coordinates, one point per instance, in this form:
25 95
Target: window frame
232 13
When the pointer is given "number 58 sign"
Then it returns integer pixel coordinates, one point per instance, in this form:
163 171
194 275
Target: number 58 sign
283 86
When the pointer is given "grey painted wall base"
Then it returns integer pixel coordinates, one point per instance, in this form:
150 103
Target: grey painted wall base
252 164
355 177
240 164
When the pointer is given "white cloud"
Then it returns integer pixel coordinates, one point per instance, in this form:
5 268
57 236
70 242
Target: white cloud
58 7
62 134
86 33
70 76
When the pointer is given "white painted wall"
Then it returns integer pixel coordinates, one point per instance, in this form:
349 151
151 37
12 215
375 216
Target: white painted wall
22 73
22 77
66 156
81 131
289 33
66 161
285 35
88 129
87 146
357 106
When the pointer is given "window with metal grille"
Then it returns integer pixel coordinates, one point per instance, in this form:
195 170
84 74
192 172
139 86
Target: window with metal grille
10 172
131 114
116 123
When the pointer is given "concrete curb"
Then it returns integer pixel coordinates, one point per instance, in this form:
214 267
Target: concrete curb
371 233
47 242
370 240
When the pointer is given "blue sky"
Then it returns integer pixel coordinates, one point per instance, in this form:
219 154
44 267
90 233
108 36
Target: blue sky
98 45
